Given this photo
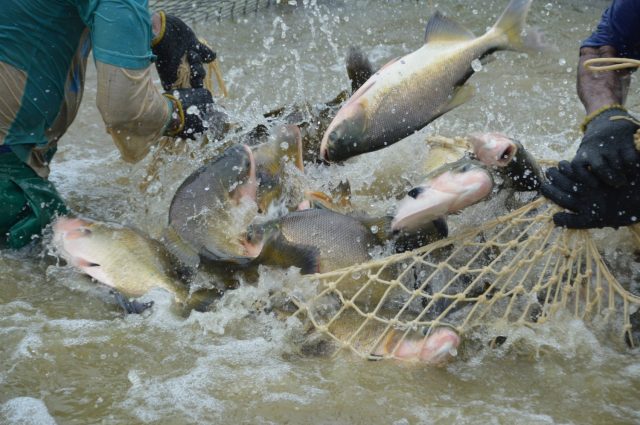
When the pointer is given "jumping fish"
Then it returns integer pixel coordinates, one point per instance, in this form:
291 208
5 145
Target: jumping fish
410 92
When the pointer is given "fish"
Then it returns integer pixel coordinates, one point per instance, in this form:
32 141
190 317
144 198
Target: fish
409 92
339 199
121 257
426 346
314 240
509 158
446 190
435 348
401 239
322 240
271 159
212 208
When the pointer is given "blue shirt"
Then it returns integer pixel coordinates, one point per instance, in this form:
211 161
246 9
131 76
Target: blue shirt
619 27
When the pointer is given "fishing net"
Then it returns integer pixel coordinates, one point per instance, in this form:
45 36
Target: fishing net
518 268
204 10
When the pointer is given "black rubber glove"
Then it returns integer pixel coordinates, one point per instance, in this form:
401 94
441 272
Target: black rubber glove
176 40
607 149
600 206
191 109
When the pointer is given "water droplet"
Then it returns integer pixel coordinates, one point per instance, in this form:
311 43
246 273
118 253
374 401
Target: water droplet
548 6
374 229
562 61
476 65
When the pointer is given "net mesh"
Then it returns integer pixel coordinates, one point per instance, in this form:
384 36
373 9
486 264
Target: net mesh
518 268
204 10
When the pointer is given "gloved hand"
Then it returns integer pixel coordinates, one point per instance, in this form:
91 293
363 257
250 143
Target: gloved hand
599 206
607 149
191 108
174 41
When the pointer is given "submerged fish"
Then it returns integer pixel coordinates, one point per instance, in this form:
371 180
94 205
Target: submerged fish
213 206
120 257
410 92
447 189
518 167
374 338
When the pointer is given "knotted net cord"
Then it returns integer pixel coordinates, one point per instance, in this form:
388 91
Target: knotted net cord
518 268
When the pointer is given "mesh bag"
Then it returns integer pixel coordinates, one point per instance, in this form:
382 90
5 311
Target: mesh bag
204 10
518 268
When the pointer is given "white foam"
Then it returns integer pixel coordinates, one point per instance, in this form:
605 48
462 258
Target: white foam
26 411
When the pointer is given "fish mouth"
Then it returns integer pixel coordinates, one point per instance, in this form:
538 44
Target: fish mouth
66 230
343 138
493 149
249 188
440 346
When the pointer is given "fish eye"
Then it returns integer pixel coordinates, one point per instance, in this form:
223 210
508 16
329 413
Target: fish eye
465 168
250 234
415 192
333 136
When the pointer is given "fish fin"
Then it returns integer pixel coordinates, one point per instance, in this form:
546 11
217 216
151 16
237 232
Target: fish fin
344 189
318 200
277 251
461 95
429 232
339 99
212 257
181 250
130 306
441 28
512 24
359 69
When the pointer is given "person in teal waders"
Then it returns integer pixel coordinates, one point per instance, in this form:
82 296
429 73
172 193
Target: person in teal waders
44 47
601 185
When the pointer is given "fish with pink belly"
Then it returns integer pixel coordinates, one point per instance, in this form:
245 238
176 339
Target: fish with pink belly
429 346
436 348
446 190
124 259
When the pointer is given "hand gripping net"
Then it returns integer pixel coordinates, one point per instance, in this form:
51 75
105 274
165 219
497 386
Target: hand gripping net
518 268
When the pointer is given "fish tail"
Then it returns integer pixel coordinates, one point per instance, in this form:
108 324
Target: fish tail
512 25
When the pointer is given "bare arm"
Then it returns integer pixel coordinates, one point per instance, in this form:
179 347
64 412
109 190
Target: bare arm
598 89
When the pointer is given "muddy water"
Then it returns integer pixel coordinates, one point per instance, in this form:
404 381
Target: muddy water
67 355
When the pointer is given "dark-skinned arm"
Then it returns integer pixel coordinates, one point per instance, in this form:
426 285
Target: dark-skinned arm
600 89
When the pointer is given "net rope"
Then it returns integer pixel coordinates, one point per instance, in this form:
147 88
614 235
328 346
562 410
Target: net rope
204 10
518 268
